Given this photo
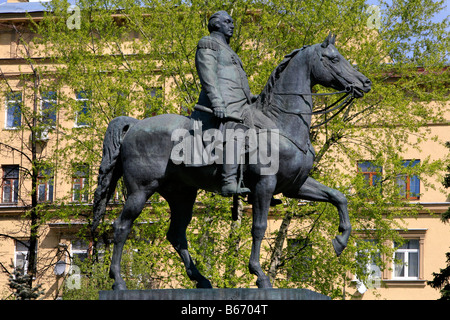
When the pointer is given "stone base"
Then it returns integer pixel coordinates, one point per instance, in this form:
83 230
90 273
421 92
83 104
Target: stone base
213 294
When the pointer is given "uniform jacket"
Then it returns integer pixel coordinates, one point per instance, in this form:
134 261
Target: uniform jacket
222 76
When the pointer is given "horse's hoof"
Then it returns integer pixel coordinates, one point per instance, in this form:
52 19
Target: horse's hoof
338 245
204 284
264 283
119 286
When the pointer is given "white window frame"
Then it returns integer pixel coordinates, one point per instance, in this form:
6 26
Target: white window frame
76 124
79 246
22 252
79 251
7 102
373 280
368 266
50 101
406 253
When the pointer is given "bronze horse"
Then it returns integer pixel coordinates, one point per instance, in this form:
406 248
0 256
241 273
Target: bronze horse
140 152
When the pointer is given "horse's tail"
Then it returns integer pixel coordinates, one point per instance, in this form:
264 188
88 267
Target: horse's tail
110 168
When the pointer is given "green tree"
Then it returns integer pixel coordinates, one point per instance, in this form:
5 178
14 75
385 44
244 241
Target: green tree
27 141
20 284
218 245
123 78
441 279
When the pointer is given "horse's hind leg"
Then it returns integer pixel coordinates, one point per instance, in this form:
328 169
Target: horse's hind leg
122 227
181 204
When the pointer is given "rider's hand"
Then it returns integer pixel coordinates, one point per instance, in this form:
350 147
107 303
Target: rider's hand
219 112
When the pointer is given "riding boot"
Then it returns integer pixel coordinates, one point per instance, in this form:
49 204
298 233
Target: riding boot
230 185
230 168
229 181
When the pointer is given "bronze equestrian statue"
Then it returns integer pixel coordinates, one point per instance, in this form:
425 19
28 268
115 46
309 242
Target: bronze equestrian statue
140 151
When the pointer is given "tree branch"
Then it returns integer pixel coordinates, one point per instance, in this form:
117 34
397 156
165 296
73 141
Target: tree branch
15 149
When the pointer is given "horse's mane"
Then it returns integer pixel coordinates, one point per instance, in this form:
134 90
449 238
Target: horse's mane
274 76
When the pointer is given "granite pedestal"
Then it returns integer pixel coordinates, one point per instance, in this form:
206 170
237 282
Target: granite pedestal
213 294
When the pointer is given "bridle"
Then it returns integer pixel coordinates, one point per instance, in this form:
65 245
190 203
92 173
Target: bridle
348 98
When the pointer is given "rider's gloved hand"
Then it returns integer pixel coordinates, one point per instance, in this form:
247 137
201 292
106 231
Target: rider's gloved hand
219 112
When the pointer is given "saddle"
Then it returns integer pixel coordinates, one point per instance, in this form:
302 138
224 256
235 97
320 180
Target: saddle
207 143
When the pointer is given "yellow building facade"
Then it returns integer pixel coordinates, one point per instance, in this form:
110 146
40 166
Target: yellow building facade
423 254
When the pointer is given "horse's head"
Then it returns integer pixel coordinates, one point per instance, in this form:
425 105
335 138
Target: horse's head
331 69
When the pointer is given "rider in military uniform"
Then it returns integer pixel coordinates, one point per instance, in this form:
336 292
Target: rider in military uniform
225 93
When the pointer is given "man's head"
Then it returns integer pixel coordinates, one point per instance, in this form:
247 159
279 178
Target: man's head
221 22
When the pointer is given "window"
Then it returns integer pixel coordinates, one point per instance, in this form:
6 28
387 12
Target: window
13 110
372 175
79 183
406 260
45 185
368 261
404 268
48 108
369 270
10 184
21 256
156 92
409 185
371 172
80 250
83 102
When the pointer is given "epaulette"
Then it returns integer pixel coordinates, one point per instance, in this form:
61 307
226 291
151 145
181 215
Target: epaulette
208 43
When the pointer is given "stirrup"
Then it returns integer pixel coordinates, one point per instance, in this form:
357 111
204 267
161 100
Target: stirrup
230 189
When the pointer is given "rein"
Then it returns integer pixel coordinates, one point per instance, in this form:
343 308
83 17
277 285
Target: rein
347 102
347 90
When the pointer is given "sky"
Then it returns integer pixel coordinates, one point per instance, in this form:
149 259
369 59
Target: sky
438 17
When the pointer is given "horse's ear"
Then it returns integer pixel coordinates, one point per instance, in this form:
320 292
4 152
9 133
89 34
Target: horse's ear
326 42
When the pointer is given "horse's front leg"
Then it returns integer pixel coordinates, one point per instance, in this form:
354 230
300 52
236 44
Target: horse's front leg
315 191
262 194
